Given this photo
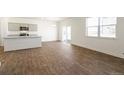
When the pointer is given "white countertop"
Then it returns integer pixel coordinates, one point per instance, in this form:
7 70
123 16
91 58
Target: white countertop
11 37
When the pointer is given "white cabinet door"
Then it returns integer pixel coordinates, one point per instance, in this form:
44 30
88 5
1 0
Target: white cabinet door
32 27
13 26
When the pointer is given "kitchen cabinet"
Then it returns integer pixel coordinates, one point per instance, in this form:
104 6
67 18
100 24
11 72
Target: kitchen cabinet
16 26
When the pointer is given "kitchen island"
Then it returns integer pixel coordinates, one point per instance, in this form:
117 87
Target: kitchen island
21 42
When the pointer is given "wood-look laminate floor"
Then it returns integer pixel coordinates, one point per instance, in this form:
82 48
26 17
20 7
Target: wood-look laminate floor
57 58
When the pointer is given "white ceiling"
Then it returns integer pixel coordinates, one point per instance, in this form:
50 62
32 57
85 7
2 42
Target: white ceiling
46 18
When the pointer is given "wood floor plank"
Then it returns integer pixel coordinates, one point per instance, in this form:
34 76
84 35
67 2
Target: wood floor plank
57 58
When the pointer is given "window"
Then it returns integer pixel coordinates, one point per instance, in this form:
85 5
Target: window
101 27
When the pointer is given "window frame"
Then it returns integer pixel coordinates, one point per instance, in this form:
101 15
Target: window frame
99 27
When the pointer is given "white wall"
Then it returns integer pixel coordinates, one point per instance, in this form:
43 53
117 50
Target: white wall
47 29
113 47
0 33
3 28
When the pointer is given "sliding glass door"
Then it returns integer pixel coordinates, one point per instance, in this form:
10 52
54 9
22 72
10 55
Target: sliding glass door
66 34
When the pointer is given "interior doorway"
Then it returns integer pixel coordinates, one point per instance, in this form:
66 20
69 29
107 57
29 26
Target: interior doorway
66 34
